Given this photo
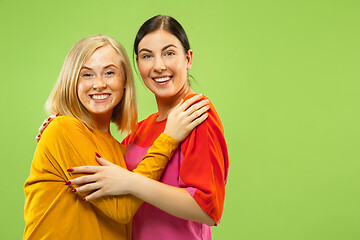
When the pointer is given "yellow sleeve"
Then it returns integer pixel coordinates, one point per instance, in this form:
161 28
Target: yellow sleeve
154 162
71 144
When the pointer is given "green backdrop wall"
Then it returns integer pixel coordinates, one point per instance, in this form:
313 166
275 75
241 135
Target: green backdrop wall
283 75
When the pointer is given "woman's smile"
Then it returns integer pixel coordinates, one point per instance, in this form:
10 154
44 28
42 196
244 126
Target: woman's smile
98 97
101 82
163 65
162 79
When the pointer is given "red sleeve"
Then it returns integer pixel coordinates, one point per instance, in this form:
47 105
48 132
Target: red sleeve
205 165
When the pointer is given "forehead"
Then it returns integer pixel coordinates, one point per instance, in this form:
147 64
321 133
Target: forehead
103 56
158 39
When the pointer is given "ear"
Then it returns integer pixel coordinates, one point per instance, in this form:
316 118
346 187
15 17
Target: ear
189 59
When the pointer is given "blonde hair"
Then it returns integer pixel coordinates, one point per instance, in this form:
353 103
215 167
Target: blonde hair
64 99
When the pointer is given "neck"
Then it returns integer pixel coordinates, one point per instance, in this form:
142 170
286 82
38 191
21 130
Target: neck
102 122
166 105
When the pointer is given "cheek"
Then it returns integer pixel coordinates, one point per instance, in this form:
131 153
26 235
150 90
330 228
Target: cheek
118 87
143 68
82 91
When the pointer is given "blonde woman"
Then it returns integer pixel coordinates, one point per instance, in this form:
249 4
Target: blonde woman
95 87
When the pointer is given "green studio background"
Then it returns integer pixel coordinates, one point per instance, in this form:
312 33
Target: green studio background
283 75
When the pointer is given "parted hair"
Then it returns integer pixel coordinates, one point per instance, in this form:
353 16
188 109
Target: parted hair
162 22
64 99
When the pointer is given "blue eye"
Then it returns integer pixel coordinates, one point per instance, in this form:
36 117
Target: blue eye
147 56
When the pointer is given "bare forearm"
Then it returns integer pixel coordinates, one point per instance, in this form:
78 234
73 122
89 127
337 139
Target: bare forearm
173 200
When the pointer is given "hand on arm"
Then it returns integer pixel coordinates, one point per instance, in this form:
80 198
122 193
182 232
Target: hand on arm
185 117
100 179
69 144
117 180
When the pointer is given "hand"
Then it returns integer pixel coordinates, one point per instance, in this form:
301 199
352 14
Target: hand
44 125
185 117
107 179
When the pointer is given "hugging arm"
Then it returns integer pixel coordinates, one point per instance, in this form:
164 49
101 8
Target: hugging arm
203 174
121 208
177 200
69 143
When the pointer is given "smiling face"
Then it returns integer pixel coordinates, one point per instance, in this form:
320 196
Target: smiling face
163 64
101 82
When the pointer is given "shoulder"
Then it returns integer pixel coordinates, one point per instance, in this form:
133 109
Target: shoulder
149 120
65 125
208 133
213 121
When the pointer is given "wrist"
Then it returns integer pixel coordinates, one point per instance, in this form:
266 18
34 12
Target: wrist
133 183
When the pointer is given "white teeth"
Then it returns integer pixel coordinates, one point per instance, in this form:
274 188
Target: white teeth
100 97
164 79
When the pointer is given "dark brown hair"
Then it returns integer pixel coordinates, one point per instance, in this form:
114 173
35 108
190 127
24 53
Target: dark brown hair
162 22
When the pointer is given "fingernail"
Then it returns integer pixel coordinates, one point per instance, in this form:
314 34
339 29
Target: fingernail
74 190
70 170
84 199
49 119
44 124
58 114
97 155
38 135
68 183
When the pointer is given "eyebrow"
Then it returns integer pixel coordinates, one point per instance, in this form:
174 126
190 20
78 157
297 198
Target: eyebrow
107 66
167 46
164 48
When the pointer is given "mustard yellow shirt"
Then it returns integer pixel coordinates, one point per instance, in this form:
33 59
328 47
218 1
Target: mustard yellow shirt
52 211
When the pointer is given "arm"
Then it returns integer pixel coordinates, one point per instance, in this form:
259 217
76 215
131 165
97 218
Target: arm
70 143
205 166
203 173
181 122
173 200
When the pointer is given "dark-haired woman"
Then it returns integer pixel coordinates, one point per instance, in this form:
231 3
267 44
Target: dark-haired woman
190 197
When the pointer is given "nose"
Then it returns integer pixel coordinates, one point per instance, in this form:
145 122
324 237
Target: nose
159 65
99 83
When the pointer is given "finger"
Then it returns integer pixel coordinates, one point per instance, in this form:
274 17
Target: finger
103 162
190 102
87 187
85 169
41 128
82 180
196 107
37 138
198 121
197 113
45 123
94 195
